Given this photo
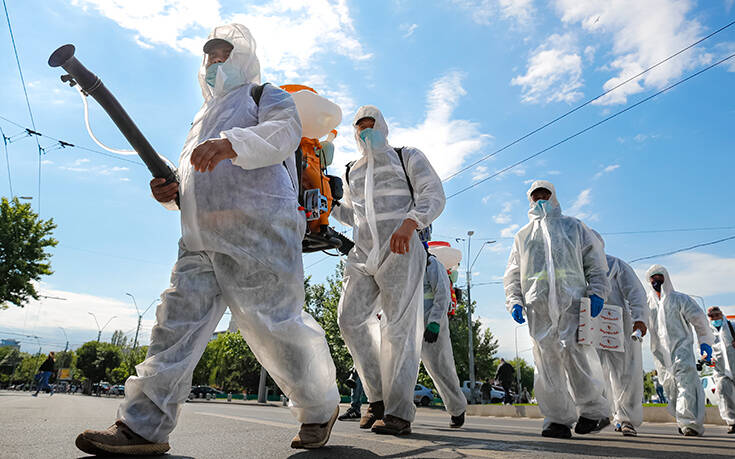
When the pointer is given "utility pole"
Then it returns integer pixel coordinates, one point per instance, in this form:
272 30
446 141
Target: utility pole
471 346
66 348
99 330
140 318
470 339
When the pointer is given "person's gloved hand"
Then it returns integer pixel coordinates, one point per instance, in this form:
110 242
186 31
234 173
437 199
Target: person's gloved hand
431 334
705 348
517 314
596 305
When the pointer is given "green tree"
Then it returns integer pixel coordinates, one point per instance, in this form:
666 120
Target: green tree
229 364
132 357
119 339
23 259
526 373
484 343
649 389
27 368
97 360
10 358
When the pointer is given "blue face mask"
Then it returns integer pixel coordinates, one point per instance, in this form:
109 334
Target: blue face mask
372 136
211 75
717 323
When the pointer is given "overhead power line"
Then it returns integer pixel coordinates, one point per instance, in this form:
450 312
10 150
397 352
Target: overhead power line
559 118
28 101
69 144
588 128
704 244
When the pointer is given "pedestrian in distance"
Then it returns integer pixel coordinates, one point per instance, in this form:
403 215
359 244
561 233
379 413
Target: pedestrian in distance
356 392
673 314
555 261
240 248
505 374
724 359
44 373
388 194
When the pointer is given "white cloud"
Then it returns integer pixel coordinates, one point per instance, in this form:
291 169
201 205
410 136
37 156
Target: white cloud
503 218
485 12
480 173
408 29
509 231
578 207
554 72
446 141
46 161
80 165
696 273
290 34
725 49
607 170
642 33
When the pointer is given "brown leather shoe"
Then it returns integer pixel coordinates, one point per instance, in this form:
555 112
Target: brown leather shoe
118 439
392 425
312 436
374 413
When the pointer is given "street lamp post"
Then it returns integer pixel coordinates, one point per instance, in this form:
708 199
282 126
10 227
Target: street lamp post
66 348
99 330
140 318
471 351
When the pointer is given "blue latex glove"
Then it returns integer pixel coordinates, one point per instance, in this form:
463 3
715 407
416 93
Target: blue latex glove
596 304
705 348
517 314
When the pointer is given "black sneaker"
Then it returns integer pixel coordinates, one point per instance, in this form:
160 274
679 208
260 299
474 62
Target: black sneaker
601 424
350 415
687 432
557 431
585 425
457 421
731 430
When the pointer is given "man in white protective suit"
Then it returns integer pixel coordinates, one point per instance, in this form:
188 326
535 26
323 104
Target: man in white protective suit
724 357
555 261
240 247
388 194
436 350
624 370
672 316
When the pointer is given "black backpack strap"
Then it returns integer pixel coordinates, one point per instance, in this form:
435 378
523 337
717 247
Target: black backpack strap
399 152
732 332
256 92
347 171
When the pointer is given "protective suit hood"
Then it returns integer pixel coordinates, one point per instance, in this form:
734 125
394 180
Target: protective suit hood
240 68
535 211
369 111
667 287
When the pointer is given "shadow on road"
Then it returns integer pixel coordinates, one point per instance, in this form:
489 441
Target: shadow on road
335 451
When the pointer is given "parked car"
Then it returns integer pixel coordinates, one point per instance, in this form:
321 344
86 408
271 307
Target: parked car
496 393
422 395
117 390
711 395
202 391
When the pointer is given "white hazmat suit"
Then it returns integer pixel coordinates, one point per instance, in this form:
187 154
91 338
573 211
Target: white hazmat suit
241 247
555 261
672 316
376 202
437 356
624 370
724 357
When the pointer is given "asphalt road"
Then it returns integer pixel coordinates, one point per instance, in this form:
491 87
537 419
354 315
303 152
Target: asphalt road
45 427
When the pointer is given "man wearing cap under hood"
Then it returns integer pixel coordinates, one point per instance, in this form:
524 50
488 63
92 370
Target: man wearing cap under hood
556 260
673 314
240 247
388 196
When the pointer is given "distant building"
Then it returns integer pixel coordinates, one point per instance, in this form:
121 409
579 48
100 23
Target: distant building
14 343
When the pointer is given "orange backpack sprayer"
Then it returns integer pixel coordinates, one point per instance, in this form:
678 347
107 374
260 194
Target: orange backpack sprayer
318 190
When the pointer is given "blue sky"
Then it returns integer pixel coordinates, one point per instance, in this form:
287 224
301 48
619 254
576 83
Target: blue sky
458 79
